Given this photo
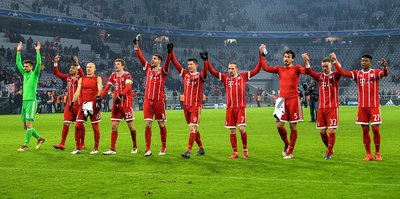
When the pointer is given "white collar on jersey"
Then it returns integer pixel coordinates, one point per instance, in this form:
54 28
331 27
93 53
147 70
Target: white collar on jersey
327 74
197 72
362 70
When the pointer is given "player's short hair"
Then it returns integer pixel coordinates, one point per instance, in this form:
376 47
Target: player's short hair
194 60
158 56
121 61
367 56
326 59
290 52
233 62
28 62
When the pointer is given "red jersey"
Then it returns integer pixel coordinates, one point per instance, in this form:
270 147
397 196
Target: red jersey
328 88
120 83
193 84
89 89
288 79
235 87
367 84
72 83
155 79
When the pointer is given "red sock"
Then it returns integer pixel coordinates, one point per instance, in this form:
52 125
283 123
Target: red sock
377 138
244 139
198 140
293 138
96 132
78 129
192 137
366 138
133 136
233 142
83 134
147 134
114 136
163 132
324 137
331 142
64 134
283 133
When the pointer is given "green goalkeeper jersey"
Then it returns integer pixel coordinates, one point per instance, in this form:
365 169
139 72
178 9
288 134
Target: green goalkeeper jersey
30 79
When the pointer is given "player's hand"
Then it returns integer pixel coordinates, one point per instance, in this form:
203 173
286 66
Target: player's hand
71 105
263 50
137 39
118 100
98 102
75 60
333 57
19 46
37 46
383 62
56 58
170 47
204 55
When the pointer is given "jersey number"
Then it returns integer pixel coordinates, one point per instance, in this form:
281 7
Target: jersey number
333 122
377 117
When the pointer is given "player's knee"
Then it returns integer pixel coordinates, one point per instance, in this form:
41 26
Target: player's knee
280 124
242 129
66 123
161 124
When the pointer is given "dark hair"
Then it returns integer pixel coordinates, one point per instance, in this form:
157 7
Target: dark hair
28 62
120 60
232 62
193 60
158 56
326 59
367 56
290 52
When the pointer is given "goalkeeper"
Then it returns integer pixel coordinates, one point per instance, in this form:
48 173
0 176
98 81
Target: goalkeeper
29 103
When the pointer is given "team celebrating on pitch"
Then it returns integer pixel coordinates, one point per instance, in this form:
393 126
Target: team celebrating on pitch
85 95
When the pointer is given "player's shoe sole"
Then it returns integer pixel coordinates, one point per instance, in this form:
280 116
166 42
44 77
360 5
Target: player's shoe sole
162 152
94 152
147 153
40 142
234 155
109 152
245 154
288 156
186 154
75 151
23 148
368 157
378 157
134 151
201 151
59 147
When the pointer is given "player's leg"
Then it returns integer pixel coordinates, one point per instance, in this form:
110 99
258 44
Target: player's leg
163 134
322 126
241 120
129 117
161 117
293 139
148 117
331 143
68 119
30 117
116 116
83 134
324 136
363 119
199 143
375 122
78 130
233 140
377 141
283 134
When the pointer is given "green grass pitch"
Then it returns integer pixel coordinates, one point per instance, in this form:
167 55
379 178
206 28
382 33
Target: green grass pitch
48 173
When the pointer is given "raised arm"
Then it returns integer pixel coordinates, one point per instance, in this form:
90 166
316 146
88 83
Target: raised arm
78 66
105 90
139 53
176 63
204 56
99 86
385 71
261 59
264 65
312 73
38 58
339 68
165 68
56 72
18 59
204 72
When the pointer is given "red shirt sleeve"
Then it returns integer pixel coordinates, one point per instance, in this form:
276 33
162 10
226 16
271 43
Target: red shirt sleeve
213 71
345 73
57 73
176 63
312 73
142 60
